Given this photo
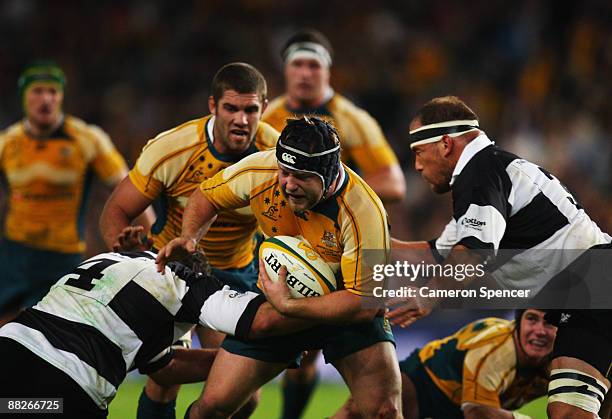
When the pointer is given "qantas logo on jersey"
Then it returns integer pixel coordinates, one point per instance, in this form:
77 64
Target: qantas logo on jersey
473 223
289 158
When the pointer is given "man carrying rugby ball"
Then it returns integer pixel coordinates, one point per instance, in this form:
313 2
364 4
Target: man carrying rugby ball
302 189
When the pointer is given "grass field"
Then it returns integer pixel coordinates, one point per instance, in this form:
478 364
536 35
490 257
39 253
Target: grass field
327 398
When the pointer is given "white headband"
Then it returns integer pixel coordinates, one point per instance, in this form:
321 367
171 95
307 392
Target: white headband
310 50
434 132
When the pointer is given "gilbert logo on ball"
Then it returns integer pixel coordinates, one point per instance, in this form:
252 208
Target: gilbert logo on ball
308 275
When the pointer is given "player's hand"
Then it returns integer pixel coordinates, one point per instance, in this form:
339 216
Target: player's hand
176 249
131 238
403 312
277 293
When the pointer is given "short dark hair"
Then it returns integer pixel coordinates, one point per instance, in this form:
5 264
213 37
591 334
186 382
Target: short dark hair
445 108
241 77
308 35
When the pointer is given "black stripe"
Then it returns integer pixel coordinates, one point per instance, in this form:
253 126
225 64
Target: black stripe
580 377
434 132
243 327
148 319
533 224
434 251
575 389
194 299
157 364
86 342
137 255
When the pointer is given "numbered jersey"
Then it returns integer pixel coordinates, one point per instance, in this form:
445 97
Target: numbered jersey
115 312
501 201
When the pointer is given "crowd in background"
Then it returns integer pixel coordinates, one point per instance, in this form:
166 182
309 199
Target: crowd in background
536 73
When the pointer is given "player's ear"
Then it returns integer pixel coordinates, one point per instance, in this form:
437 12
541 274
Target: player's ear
212 105
447 145
264 105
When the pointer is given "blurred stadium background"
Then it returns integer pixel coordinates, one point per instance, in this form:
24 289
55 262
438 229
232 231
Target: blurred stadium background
537 73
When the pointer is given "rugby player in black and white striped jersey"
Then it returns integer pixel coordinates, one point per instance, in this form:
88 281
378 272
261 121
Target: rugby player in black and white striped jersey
501 201
114 313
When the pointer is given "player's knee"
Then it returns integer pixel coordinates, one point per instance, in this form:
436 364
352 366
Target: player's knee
217 406
307 373
382 408
249 407
161 392
572 393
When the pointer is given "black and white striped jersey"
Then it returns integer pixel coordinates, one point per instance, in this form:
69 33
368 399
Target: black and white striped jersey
501 201
115 312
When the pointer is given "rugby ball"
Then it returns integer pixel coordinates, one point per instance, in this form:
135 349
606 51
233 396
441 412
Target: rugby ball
308 275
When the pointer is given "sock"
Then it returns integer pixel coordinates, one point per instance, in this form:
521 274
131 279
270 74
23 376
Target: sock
296 396
150 409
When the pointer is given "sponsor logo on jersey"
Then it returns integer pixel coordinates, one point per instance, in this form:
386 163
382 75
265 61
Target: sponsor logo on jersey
289 158
473 223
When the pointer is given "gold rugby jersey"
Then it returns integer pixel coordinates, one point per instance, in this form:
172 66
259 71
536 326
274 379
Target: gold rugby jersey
478 364
364 146
49 180
341 229
173 164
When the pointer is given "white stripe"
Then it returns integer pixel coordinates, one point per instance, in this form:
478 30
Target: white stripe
303 153
439 137
85 310
445 124
483 222
297 50
283 165
561 382
101 391
222 310
574 371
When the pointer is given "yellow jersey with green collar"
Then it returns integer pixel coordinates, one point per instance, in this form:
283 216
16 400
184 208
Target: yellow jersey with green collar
340 229
478 364
173 164
364 146
49 180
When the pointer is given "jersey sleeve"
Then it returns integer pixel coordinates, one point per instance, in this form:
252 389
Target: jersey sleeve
149 173
157 363
366 243
487 372
480 207
231 188
108 164
366 144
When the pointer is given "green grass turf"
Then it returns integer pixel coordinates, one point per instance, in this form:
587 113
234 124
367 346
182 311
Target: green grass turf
326 400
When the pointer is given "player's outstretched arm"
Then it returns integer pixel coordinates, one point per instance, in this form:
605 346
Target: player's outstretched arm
126 204
198 216
402 311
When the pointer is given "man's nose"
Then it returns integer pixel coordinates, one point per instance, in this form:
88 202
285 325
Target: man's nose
241 118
